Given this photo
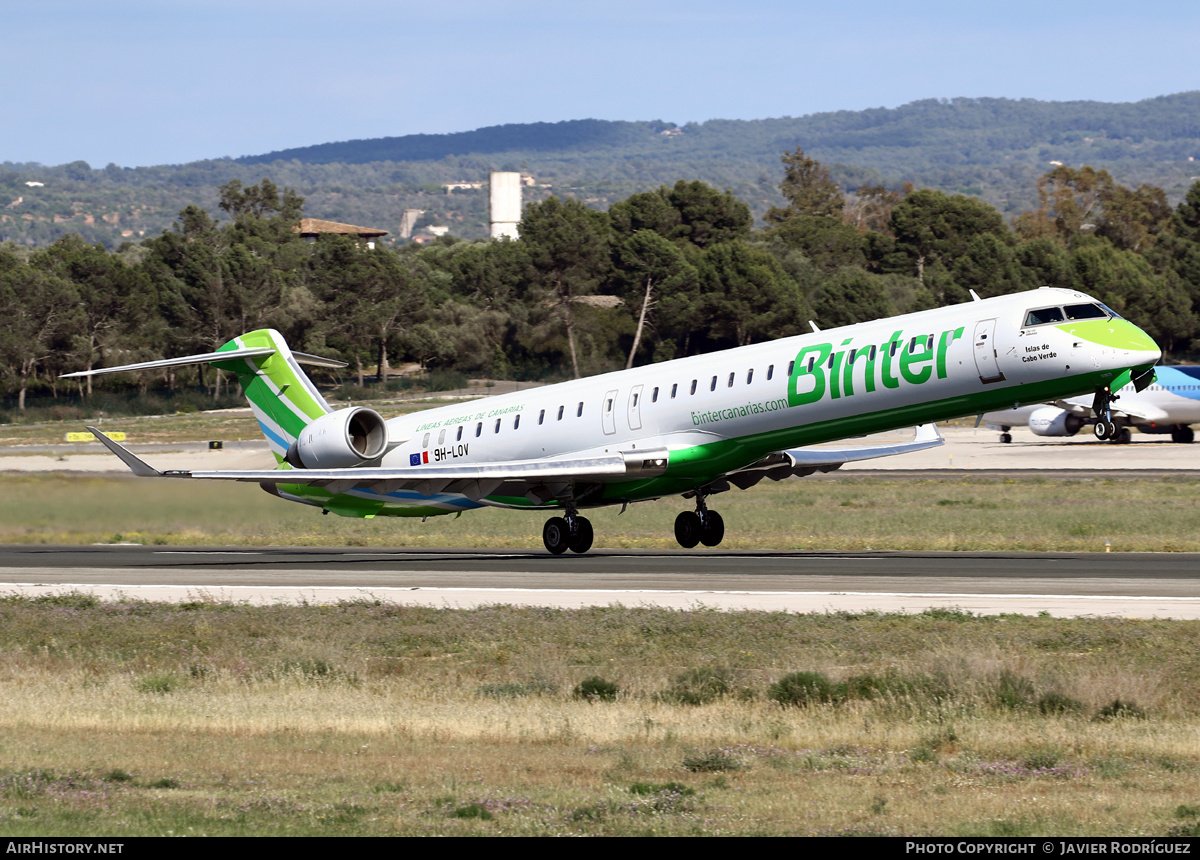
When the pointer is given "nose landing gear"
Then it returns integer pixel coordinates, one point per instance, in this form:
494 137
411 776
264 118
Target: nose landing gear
1105 427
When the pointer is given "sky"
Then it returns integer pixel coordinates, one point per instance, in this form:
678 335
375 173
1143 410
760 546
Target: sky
143 82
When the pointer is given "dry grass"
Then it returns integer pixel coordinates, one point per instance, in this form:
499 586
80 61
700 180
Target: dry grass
371 719
845 512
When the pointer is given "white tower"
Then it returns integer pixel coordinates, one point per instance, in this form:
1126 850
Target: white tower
505 199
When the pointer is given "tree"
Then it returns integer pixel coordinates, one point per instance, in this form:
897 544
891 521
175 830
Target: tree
808 190
647 263
116 302
38 309
373 297
870 210
745 297
568 250
691 212
708 216
827 242
851 296
260 201
935 229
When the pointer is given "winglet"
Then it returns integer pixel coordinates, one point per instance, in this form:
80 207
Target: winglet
138 466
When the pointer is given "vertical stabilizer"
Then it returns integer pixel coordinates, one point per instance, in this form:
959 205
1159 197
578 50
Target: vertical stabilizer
283 398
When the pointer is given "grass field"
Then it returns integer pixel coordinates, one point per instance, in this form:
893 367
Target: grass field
362 718
845 512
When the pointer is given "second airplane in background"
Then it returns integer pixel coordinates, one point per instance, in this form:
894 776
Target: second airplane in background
1169 405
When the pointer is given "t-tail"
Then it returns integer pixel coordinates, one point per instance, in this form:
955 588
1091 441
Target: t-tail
298 424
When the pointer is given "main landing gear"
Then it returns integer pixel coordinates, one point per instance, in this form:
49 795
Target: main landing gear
699 526
571 532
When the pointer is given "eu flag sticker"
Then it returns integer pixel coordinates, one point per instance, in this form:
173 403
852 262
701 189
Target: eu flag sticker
414 459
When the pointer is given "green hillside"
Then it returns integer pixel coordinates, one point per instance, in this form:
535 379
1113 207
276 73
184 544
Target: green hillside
993 149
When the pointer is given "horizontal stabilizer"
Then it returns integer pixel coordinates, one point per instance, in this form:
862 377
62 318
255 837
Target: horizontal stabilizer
183 361
226 355
137 465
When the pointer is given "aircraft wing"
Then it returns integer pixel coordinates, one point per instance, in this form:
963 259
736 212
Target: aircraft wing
1142 413
542 479
925 436
613 465
805 461
1127 407
475 481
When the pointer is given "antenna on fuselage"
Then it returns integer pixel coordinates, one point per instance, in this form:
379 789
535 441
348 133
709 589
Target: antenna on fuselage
975 295
814 326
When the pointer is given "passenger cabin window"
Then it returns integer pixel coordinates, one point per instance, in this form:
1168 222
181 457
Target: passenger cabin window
608 405
496 429
478 429
791 366
712 386
654 395
693 386
579 411
560 412
516 421
442 436
425 441
635 400
770 371
1085 312
674 388
749 376
541 417
1042 316
458 437
730 385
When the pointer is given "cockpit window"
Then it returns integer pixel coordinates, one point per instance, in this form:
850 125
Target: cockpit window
1043 315
1111 312
1085 312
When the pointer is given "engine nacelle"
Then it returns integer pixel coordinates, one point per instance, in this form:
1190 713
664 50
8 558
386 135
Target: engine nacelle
340 440
1052 421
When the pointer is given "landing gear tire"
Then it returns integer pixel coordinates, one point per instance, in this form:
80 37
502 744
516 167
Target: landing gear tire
712 530
1183 435
1005 438
1104 429
1123 436
556 535
688 529
581 540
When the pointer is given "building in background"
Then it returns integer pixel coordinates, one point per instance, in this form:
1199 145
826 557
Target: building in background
504 199
311 228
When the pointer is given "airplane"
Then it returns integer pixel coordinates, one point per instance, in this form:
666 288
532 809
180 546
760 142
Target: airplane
1168 405
692 427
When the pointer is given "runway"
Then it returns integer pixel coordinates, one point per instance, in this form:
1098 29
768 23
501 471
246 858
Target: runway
1141 585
